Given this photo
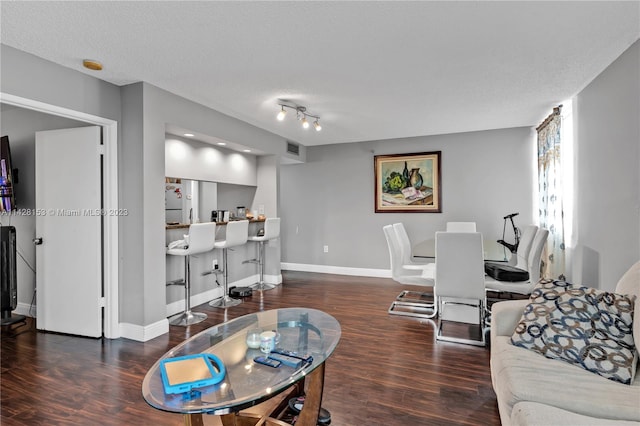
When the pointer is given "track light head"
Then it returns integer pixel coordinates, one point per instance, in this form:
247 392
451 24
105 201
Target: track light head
281 114
317 126
305 123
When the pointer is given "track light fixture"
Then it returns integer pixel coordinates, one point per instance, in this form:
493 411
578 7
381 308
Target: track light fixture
301 115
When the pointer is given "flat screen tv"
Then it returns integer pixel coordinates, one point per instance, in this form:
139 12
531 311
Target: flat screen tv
7 177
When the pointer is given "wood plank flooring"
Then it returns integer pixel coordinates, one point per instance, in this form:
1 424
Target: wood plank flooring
386 371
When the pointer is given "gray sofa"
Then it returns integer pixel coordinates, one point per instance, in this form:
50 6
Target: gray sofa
534 390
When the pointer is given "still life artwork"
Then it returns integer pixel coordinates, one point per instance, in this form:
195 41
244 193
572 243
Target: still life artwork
408 183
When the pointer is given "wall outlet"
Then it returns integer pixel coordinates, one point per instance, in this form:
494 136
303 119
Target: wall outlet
326 249
214 264
261 209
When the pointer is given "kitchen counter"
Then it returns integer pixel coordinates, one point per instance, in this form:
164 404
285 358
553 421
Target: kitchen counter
186 225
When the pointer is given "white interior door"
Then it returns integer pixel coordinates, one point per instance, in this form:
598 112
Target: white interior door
68 222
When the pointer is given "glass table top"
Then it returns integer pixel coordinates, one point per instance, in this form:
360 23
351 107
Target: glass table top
493 251
246 383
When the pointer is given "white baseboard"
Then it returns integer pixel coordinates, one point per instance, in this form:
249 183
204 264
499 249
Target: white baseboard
249 281
128 331
339 270
144 333
271 279
25 309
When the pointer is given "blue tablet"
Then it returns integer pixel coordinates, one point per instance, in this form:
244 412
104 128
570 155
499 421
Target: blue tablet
184 373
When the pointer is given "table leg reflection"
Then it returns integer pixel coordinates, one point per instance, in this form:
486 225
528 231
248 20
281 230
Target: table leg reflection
193 419
308 415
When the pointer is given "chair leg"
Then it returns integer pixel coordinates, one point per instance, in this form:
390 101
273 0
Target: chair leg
414 304
481 314
225 301
187 317
261 285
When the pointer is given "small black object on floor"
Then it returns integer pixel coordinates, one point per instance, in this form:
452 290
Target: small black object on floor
8 319
240 292
296 404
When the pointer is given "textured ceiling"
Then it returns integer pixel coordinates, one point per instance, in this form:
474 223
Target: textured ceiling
370 70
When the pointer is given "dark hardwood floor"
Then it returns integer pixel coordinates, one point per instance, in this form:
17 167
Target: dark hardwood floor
386 371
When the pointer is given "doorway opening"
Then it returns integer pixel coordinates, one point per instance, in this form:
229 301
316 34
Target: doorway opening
109 127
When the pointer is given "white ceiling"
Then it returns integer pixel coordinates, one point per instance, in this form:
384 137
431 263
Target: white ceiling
370 69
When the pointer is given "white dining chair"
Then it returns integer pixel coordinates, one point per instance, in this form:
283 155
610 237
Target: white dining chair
521 258
406 257
533 267
524 247
409 302
461 227
460 282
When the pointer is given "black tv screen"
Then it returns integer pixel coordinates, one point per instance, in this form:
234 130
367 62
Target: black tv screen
7 197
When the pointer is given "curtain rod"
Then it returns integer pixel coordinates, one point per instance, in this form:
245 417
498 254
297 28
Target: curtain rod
556 111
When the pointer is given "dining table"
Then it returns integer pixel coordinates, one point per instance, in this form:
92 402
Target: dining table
493 251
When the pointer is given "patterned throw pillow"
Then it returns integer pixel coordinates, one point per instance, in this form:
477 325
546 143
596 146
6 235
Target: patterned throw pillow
584 326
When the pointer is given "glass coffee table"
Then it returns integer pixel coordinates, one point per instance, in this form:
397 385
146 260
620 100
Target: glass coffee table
246 383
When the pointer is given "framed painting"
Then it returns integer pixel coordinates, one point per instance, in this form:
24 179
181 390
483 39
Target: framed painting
408 183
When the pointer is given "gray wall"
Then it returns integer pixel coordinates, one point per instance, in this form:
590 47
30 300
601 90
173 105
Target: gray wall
208 200
131 233
268 185
330 199
607 174
267 191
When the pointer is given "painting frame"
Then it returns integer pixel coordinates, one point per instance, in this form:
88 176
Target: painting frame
408 183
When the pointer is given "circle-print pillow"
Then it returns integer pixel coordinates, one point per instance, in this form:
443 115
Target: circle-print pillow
584 326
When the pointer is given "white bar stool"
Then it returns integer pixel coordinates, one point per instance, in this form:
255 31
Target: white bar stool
237 232
201 240
271 231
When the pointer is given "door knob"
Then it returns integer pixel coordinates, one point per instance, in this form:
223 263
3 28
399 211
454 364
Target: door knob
37 241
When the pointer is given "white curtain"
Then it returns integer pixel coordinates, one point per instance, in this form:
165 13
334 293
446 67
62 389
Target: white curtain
550 190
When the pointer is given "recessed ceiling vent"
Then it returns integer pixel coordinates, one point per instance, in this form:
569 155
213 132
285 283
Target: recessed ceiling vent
293 148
